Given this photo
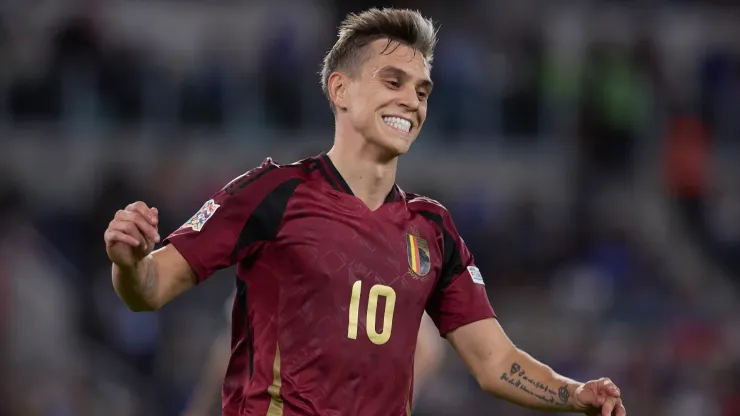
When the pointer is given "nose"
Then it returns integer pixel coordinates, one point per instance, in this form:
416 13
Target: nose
409 99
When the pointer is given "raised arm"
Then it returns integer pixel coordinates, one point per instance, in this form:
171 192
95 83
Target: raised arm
144 279
159 278
231 225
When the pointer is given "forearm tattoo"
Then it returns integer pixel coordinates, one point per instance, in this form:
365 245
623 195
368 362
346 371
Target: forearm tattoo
518 378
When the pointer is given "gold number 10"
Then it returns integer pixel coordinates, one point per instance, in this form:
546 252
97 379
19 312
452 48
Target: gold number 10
372 309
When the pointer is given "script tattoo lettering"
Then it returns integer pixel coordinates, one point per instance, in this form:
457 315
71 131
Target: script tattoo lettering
520 380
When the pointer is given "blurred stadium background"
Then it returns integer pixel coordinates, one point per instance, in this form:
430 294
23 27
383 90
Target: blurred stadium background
587 149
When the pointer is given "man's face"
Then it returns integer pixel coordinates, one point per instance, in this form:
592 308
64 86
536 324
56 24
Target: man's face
386 100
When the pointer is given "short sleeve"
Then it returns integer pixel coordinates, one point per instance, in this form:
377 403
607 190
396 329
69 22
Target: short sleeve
236 219
460 296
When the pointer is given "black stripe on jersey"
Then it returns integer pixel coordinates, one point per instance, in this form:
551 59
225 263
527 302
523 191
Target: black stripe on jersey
241 183
327 177
452 264
332 175
241 288
393 195
265 220
335 179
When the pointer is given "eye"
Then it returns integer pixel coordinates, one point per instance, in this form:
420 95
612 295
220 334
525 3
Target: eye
393 84
423 95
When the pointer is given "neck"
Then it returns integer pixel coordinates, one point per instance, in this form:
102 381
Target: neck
370 175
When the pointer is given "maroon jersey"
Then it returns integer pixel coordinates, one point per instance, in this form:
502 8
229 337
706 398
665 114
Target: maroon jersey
330 294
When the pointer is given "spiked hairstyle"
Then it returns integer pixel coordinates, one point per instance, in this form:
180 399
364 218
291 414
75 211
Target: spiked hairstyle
357 31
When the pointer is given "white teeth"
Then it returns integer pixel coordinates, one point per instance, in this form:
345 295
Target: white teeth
398 123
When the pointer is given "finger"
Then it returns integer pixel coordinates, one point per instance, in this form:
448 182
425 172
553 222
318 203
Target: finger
620 409
603 387
138 205
127 227
130 229
145 211
146 228
114 236
602 383
608 407
610 388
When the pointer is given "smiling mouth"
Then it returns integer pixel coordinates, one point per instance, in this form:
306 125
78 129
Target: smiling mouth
402 125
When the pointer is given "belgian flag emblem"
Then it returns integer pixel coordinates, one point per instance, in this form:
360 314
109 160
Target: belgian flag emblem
418 253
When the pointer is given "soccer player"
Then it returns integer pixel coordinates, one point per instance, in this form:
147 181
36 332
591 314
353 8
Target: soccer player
336 264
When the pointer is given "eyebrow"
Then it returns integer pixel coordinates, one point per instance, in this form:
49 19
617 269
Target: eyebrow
393 71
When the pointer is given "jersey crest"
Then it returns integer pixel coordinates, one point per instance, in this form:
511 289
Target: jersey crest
197 221
417 250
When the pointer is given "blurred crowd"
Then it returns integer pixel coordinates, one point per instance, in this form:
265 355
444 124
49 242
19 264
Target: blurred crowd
636 102
604 69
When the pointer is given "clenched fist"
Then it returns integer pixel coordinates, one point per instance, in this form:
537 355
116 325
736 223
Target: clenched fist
600 398
132 234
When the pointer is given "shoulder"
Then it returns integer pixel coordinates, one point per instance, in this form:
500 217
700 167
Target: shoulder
425 205
434 211
270 174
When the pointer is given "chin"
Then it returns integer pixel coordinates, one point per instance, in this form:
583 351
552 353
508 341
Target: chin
394 143
401 148
393 146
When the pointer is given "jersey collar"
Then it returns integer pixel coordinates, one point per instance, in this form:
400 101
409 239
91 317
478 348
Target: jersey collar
335 179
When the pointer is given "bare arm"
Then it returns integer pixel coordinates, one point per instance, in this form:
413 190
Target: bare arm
501 368
157 279
144 279
506 372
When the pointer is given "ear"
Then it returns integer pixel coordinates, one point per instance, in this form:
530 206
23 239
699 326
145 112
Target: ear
337 86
